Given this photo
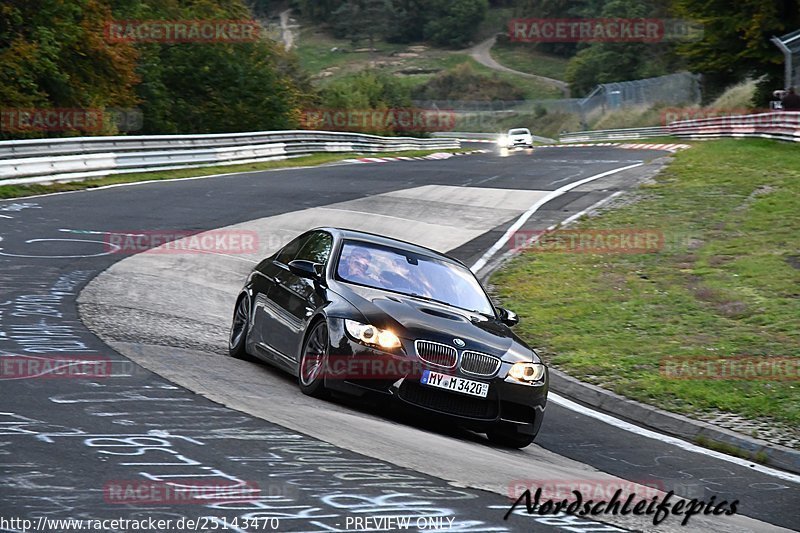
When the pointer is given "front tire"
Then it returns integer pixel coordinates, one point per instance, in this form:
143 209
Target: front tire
508 435
314 361
237 341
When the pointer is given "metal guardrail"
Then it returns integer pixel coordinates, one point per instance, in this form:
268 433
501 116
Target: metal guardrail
478 137
782 125
614 135
466 135
50 160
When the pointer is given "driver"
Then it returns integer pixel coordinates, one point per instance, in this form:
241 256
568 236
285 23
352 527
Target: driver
357 265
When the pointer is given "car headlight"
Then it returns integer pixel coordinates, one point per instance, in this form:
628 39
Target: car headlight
370 335
527 372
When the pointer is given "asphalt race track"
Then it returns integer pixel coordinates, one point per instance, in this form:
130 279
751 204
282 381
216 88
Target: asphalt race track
174 407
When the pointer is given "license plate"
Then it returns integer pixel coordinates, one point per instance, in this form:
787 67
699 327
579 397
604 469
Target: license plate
455 384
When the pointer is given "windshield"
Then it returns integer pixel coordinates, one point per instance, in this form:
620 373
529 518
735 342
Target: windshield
412 274
518 132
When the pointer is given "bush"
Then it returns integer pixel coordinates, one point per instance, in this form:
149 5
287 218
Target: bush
364 91
464 83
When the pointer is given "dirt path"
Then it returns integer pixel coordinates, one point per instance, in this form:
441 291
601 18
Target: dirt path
286 30
481 53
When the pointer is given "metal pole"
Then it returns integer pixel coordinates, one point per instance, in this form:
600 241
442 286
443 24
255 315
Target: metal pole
787 54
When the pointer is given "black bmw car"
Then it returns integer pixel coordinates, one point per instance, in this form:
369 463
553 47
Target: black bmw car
363 314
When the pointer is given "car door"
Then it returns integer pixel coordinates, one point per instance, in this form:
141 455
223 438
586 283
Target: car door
296 299
265 275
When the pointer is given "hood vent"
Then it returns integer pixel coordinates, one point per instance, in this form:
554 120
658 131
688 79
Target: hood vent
441 314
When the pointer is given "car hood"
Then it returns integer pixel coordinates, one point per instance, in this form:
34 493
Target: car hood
413 318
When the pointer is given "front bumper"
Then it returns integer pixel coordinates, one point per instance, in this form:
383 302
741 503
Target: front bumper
360 370
520 142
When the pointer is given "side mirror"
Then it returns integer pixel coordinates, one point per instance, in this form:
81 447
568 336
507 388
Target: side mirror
509 318
305 269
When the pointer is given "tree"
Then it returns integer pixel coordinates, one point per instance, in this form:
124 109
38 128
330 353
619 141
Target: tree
363 19
213 87
317 10
558 9
408 21
368 89
454 22
605 62
261 8
54 55
735 41
200 88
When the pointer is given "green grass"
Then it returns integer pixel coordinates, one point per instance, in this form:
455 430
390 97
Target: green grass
18 191
726 284
315 55
730 449
631 117
525 58
314 50
533 89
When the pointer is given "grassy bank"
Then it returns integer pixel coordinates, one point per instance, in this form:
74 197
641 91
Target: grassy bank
525 58
331 59
726 283
18 191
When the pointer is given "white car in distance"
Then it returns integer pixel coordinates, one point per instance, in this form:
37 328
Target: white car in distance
517 137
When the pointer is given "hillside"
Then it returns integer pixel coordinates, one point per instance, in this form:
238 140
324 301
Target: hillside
327 58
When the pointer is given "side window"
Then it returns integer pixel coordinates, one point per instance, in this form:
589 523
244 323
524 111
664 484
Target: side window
289 252
317 249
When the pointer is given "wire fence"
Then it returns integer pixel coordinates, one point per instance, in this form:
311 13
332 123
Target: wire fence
682 88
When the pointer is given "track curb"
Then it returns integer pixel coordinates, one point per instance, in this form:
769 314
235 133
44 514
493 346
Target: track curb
672 424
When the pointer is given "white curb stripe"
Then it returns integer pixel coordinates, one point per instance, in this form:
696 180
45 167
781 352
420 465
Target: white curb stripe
674 441
480 263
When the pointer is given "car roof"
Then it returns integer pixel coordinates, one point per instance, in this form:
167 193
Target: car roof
374 238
